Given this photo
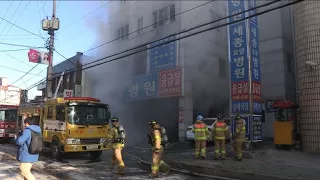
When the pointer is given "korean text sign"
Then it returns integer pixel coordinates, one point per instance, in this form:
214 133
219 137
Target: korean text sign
163 56
170 82
238 53
143 87
255 58
247 120
257 128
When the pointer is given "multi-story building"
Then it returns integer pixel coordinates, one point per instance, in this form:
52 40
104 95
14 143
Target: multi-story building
74 80
202 57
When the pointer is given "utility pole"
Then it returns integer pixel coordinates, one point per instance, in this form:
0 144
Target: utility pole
50 26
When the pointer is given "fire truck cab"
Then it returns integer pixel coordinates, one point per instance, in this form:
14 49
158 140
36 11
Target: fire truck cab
73 124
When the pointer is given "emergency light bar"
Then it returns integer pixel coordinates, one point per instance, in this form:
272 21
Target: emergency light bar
81 99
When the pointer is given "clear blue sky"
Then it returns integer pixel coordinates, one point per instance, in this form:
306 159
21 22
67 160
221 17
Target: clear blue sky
75 35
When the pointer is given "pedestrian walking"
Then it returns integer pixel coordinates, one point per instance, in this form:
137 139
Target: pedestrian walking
30 148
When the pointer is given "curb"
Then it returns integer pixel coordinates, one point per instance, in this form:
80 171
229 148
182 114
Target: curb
185 171
214 173
226 173
58 175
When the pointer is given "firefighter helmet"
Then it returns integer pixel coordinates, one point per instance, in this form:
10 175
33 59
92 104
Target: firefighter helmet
115 119
200 117
238 116
152 122
219 117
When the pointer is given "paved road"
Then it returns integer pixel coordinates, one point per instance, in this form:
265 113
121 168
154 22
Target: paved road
80 167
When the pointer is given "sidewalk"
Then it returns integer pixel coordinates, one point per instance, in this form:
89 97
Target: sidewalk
9 170
265 164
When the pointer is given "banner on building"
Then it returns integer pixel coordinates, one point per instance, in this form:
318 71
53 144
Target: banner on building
40 57
167 83
170 83
243 52
77 90
256 128
164 56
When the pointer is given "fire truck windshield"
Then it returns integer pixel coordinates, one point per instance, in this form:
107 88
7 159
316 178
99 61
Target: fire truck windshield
88 115
8 115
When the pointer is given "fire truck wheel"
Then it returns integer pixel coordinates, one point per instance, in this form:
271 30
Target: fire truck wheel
56 150
95 155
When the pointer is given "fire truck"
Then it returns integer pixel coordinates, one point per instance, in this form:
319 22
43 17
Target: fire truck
9 103
71 124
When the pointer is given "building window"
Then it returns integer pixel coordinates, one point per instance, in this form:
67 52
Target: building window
123 32
118 34
172 12
60 113
140 25
50 113
222 68
164 15
155 19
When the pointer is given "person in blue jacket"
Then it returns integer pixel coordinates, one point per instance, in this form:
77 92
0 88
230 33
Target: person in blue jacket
23 155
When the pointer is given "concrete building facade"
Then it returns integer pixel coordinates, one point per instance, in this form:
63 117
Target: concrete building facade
203 58
307 53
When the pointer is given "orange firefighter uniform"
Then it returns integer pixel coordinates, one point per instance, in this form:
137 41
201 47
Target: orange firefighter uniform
200 131
117 146
157 151
239 137
219 133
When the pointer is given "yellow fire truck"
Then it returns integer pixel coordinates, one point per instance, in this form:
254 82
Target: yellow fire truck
73 124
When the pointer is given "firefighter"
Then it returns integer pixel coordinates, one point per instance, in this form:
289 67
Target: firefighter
200 131
155 139
219 133
117 137
239 137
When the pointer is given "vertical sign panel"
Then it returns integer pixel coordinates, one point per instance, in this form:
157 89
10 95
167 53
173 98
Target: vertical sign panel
164 56
256 128
142 87
170 83
255 59
238 58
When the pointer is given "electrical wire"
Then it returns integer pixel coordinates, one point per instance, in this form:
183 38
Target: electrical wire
17 70
25 74
11 17
33 77
85 16
19 45
10 50
7 12
181 32
17 18
201 31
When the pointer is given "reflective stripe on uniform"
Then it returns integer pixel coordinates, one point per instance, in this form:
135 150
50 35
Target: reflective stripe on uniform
157 137
220 138
155 167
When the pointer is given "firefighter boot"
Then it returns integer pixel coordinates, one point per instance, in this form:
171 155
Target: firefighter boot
120 170
151 175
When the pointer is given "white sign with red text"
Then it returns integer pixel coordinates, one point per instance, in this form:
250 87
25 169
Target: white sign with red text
67 93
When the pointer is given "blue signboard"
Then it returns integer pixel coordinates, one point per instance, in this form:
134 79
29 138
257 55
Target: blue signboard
234 7
163 56
234 124
238 57
255 59
142 87
256 128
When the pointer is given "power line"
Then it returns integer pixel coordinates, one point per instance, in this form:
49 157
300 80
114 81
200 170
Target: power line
11 17
10 50
86 15
17 70
18 17
25 74
7 11
32 77
181 32
151 25
193 34
19 45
